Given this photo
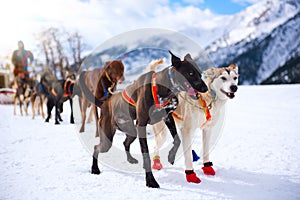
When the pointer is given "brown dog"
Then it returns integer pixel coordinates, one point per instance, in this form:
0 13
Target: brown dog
101 82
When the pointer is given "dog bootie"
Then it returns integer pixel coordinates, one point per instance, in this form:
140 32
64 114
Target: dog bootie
156 163
195 156
191 176
208 170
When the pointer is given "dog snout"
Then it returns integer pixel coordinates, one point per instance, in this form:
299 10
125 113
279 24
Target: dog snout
233 88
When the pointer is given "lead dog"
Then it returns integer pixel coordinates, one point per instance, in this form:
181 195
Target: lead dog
190 115
151 98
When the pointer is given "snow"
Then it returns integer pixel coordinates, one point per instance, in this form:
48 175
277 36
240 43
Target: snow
257 156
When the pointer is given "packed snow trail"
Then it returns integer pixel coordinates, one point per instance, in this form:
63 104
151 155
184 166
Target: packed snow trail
257 156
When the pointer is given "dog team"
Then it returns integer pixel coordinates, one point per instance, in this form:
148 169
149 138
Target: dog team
178 99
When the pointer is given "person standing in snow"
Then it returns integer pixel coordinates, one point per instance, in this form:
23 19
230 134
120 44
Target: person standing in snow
20 60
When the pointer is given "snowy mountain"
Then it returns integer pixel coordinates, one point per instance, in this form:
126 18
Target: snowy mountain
260 39
263 40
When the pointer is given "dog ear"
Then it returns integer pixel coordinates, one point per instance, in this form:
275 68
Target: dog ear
234 67
188 57
211 72
175 60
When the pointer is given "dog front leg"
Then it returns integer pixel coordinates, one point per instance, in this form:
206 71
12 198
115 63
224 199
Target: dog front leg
50 105
160 134
95 168
71 106
150 180
96 119
169 121
57 113
15 104
20 104
207 168
33 98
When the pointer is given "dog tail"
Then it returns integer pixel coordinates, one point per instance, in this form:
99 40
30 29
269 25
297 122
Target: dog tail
87 93
153 65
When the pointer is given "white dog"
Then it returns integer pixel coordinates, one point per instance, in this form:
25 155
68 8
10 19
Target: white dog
192 114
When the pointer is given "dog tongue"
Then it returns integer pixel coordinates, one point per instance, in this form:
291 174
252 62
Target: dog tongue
191 92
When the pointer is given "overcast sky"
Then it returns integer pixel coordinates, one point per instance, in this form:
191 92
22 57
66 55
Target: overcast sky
98 20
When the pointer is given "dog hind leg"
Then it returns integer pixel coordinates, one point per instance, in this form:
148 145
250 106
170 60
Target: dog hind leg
150 180
129 139
83 114
50 105
106 137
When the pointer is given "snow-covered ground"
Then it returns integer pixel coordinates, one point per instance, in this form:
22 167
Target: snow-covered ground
257 156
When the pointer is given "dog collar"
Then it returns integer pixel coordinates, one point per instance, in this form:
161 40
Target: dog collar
206 110
112 85
107 76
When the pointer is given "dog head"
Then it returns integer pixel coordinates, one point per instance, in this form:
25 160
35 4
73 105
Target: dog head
223 81
115 70
188 76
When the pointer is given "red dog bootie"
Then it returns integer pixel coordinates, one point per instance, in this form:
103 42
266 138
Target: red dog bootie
191 176
156 163
207 169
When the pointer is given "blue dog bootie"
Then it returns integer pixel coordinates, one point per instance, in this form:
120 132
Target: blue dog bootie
195 156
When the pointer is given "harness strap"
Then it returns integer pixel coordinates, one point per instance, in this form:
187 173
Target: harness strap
177 116
155 95
127 98
105 89
67 86
205 108
206 111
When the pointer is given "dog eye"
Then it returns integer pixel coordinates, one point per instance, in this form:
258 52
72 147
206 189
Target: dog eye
234 78
223 78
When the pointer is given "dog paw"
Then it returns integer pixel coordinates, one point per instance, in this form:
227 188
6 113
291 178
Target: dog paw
72 121
132 160
157 164
208 170
81 130
47 120
191 176
171 157
57 123
150 180
95 170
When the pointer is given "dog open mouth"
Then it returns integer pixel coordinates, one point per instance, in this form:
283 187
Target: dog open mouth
230 95
191 91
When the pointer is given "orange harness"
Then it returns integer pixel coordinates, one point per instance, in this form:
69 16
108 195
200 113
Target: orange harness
67 86
205 108
129 100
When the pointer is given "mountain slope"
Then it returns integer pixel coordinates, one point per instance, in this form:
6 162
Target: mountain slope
272 40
